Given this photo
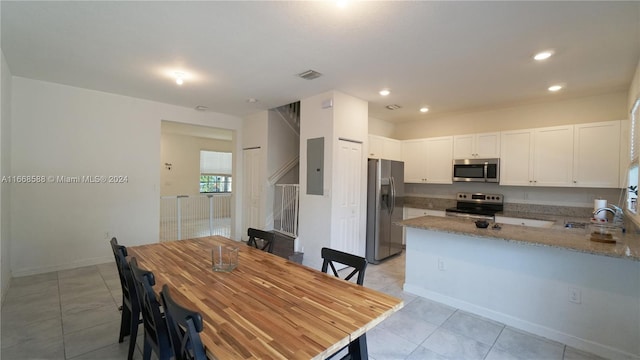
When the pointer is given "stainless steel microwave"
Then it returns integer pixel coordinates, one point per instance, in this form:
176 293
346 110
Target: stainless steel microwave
476 170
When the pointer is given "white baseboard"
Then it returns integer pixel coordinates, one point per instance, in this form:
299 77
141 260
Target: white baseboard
549 333
66 266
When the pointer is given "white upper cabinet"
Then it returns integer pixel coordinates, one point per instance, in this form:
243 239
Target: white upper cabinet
428 160
517 157
553 156
596 154
384 148
415 166
478 146
440 160
375 146
537 157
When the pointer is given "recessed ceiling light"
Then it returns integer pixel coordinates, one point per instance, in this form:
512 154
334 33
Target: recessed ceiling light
393 107
252 100
424 109
342 3
543 55
179 77
384 92
555 87
201 108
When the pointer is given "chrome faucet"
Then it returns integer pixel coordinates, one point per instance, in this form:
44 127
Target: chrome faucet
616 212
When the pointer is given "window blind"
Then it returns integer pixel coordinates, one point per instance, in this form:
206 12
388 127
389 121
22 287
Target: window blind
214 162
633 143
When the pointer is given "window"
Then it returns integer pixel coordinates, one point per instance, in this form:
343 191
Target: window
215 183
632 180
215 172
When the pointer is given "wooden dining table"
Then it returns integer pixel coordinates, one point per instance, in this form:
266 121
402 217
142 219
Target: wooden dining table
267 307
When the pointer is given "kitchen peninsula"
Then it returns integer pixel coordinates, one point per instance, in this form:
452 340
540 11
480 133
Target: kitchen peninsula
553 282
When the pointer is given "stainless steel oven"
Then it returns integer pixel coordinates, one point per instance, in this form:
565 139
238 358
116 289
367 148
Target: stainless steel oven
477 206
476 170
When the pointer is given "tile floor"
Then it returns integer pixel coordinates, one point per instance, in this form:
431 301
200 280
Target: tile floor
74 314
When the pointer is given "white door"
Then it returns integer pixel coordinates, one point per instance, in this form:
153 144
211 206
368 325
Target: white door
253 178
346 189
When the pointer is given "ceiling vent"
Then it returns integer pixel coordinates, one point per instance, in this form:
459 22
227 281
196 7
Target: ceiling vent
309 74
393 107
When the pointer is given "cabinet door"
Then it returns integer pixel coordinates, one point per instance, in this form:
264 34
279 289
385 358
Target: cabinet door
516 157
375 147
596 154
553 156
439 160
463 147
392 149
487 145
413 155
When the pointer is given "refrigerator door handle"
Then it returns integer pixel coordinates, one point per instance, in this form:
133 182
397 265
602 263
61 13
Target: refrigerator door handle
392 185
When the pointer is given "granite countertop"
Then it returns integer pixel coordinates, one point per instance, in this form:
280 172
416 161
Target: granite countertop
626 247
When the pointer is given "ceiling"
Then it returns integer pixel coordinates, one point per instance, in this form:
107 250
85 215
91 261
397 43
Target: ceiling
451 56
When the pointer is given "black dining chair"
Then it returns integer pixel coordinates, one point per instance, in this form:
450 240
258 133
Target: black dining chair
130 319
266 239
331 256
358 347
156 336
184 328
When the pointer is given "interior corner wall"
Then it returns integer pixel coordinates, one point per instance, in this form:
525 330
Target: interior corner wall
183 153
381 127
605 107
314 222
65 133
5 169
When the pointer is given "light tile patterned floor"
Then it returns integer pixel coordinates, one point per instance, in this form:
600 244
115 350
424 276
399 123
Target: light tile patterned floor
74 314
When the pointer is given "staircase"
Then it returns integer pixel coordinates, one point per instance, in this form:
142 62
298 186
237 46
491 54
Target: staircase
291 115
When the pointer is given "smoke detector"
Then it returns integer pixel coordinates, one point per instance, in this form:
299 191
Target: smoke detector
393 107
309 74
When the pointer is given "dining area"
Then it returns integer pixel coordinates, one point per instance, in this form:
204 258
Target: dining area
257 306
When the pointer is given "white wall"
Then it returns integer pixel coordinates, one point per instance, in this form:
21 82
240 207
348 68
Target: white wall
347 118
183 153
5 168
634 89
562 112
528 286
381 127
315 210
59 130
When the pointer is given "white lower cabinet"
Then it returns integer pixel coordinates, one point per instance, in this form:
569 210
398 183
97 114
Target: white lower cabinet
410 213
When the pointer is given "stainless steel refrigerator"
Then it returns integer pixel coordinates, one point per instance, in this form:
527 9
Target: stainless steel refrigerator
385 202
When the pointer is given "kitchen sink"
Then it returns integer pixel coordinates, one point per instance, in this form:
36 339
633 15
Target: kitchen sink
576 225
525 222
